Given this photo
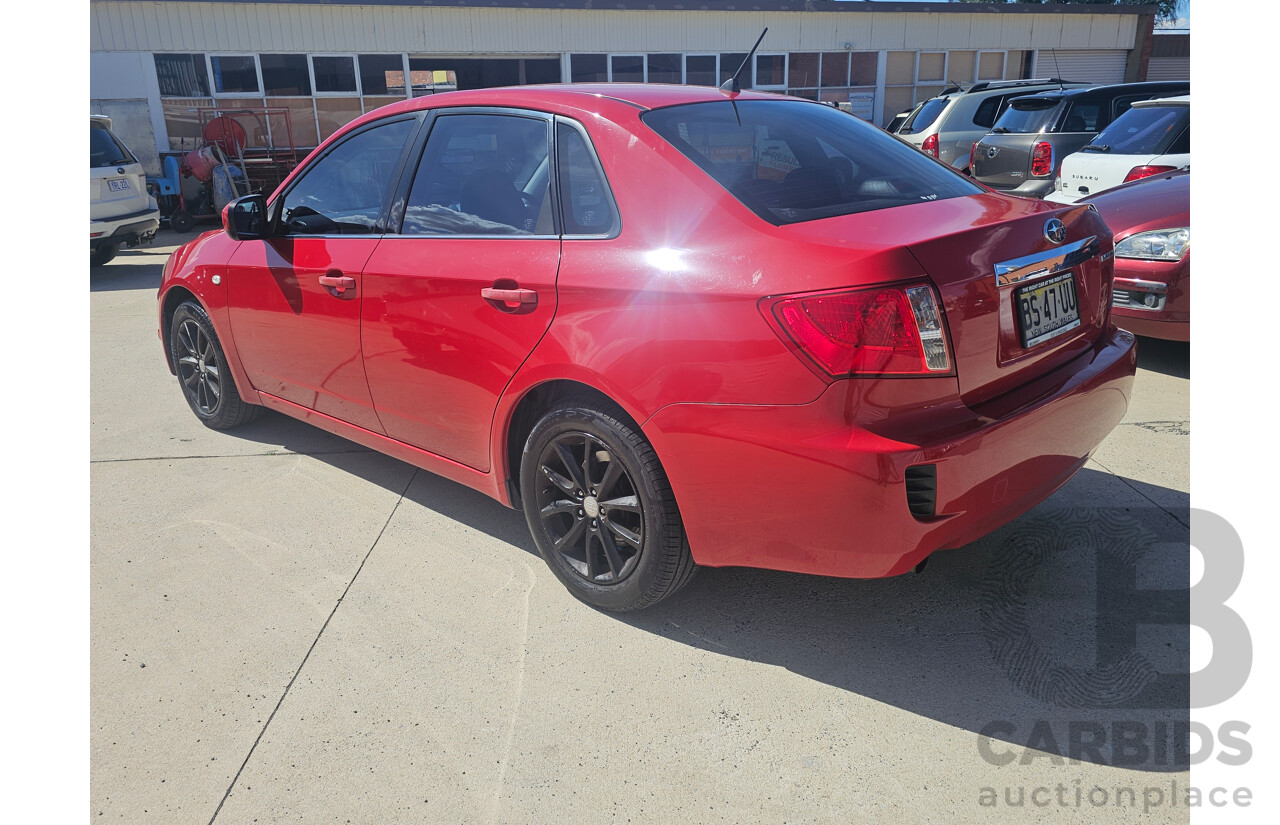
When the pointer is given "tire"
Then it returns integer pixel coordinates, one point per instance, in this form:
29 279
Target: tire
103 254
613 536
200 364
181 221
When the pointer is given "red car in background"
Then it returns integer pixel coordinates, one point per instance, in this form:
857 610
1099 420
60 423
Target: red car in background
676 326
1151 219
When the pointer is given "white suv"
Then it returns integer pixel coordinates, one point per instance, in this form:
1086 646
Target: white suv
121 211
1150 138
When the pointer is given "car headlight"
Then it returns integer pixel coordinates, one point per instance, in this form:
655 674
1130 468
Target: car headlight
1159 245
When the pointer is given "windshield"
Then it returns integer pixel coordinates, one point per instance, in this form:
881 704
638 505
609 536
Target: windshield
104 149
790 161
925 116
1146 130
1026 116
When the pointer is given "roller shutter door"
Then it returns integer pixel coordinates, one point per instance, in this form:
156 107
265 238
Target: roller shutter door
1169 68
1095 66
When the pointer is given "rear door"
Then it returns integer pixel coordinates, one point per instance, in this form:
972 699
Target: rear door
458 297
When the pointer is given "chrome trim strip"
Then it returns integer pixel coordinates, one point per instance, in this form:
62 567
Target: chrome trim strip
1141 285
1044 264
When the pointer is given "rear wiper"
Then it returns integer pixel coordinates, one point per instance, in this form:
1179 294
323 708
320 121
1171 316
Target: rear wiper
1000 130
1096 147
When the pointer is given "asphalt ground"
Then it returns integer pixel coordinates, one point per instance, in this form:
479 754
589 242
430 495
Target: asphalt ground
286 626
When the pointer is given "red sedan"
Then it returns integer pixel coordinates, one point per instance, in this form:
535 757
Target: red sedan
675 326
1151 219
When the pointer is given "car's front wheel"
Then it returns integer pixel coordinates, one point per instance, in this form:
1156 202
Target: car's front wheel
601 509
202 370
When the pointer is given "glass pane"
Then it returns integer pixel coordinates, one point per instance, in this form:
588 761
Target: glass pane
235 74
333 113
835 69
104 149
482 175
372 102
807 94
344 191
428 78
301 122
664 68
628 68
589 68
729 63
790 162
285 74
960 67
700 70
542 70
771 70
182 123
1016 66
804 70
334 74
900 68
991 66
182 75
381 74
862 69
585 199
931 66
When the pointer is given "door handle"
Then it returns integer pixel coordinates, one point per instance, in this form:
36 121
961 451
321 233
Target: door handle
339 283
509 296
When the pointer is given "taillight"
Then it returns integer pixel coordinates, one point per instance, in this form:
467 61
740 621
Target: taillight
876 331
1140 172
973 150
930 146
1042 159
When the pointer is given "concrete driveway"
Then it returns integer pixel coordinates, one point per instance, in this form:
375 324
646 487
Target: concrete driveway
289 627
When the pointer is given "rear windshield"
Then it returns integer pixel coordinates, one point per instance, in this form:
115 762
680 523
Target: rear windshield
790 162
1026 116
104 149
1144 131
925 116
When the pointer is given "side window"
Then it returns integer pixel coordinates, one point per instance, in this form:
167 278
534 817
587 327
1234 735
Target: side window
483 175
1121 104
987 110
585 200
343 192
1082 116
1182 143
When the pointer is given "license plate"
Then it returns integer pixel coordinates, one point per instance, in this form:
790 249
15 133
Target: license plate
118 185
1047 308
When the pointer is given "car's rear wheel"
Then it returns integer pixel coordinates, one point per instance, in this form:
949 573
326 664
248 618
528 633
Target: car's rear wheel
102 254
202 371
181 221
601 509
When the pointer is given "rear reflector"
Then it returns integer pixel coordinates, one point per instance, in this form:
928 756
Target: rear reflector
1140 172
876 331
95 234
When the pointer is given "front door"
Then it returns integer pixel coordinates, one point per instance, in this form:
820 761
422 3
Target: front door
295 297
457 300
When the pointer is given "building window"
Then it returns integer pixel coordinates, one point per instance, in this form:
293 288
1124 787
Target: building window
182 75
382 74
335 74
626 68
931 67
286 74
589 68
835 69
234 74
990 65
729 63
701 70
664 68
771 71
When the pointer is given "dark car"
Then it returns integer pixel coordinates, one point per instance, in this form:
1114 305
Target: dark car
1024 150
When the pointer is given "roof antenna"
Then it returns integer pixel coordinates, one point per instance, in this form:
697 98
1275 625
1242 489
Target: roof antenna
1057 73
731 85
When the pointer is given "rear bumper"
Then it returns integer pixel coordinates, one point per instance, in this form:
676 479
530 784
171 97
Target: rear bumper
1027 189
820 488
121 229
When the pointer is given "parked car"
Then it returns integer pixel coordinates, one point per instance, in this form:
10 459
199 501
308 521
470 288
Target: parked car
899 119
1023 152
1154 136
121 211
1151 219
738 330
947 126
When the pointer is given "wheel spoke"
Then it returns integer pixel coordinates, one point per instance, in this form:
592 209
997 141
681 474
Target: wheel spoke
629 503
560 481
212 369
189 360
213 387
184 338
572 466
586 462
611 554
611 475
626 535
191 380
559 506
575 533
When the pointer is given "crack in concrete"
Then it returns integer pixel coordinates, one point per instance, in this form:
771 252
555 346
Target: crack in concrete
1125 482
314 642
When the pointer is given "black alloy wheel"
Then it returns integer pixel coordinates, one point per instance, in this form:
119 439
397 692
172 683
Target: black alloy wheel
202 371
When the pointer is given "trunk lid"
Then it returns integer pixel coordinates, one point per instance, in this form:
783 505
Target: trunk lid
960 243
1003 161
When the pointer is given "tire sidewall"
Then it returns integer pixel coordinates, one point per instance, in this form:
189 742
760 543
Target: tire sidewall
192 312
643 578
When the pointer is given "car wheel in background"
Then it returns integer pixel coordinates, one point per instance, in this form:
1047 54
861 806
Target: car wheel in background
201 367
181 221
101 255
601 509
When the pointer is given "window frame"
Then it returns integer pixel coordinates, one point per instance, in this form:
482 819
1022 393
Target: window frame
257 70
408 170
355 65
275 206
644 65
561 120
977 65
786 71
684 67
946 67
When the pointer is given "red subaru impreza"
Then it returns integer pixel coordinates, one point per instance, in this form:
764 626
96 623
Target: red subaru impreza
675 326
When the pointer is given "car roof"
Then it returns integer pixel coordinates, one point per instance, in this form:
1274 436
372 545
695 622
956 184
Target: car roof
1109 88
103 119
640 95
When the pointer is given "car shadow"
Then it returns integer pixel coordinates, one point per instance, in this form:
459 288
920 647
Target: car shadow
1172 358
1037 639
140 268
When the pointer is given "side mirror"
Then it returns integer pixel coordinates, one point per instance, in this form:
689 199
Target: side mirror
244 219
